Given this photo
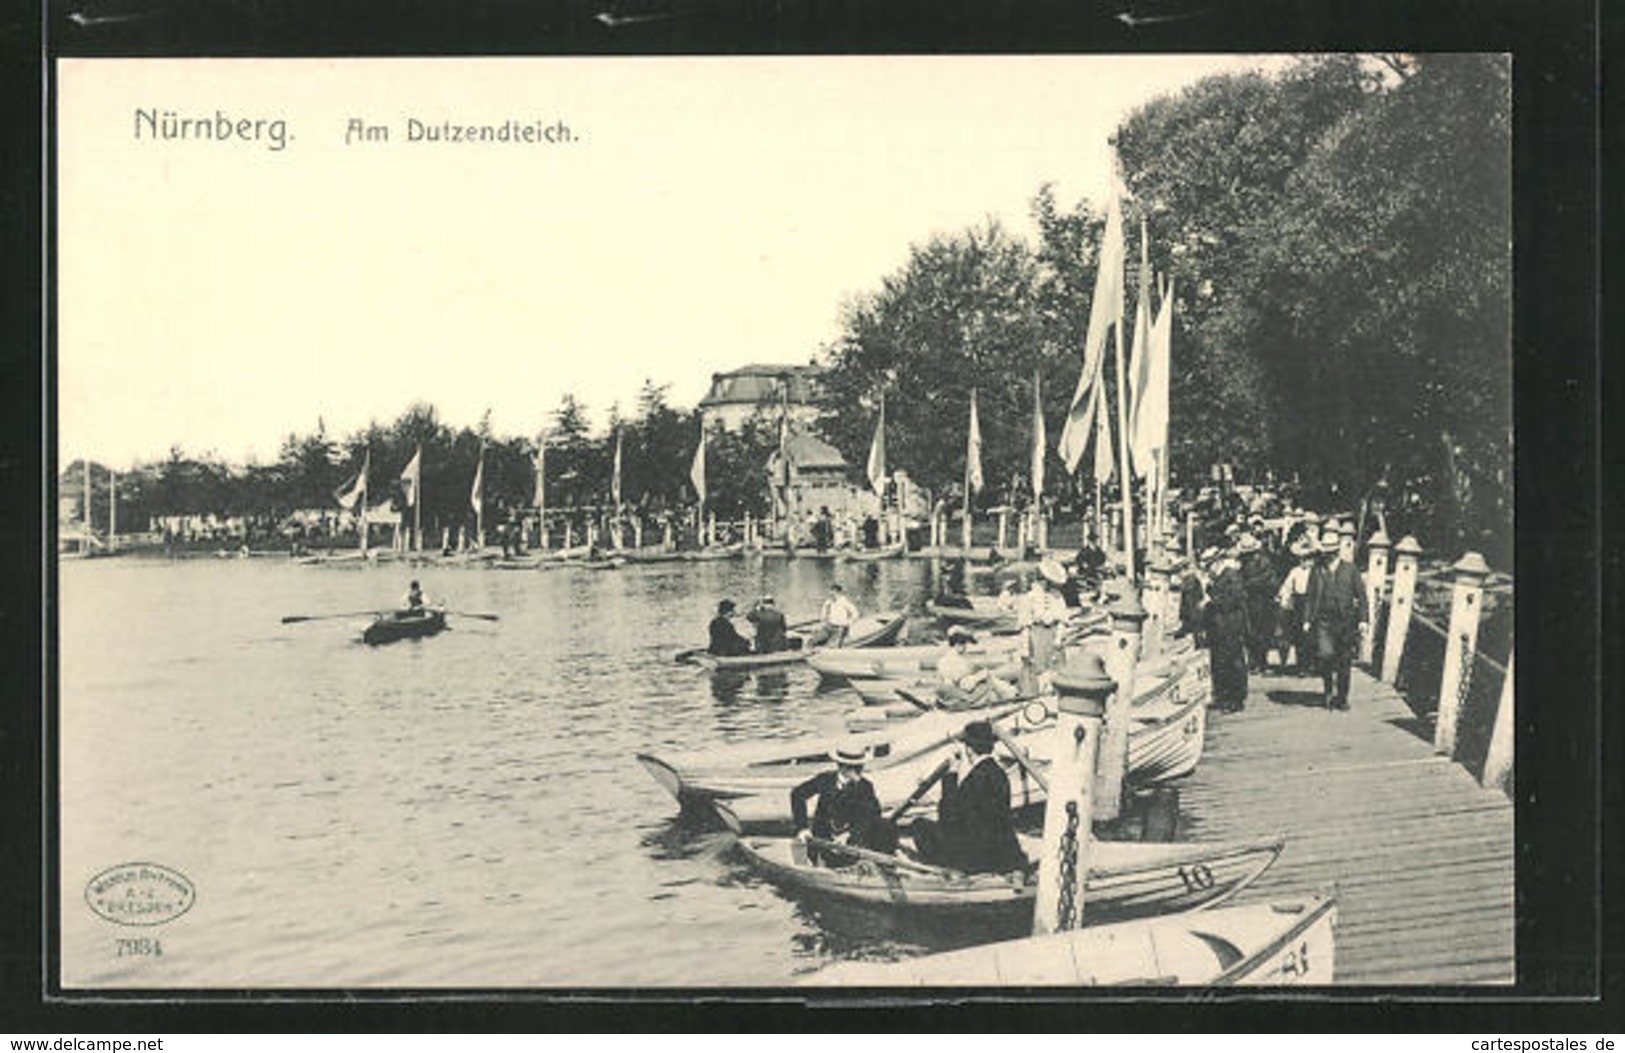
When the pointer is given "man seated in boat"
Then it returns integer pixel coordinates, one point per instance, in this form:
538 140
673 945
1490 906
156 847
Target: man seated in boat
963 685
838 615
770 627
848 812
414 601
726 640
974 830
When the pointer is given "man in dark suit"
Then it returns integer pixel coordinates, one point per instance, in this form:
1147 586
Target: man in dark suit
1227 634
770 627
725 639
1335 615
975 831
848 810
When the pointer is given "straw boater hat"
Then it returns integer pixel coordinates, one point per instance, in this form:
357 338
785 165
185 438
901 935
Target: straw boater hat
1347 529
1248 543
1329 543
851 754
978 734
1052 572
1209 554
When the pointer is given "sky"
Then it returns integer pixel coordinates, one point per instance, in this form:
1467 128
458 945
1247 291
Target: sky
220 293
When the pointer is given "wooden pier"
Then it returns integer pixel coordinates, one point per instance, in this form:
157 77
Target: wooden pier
1420 853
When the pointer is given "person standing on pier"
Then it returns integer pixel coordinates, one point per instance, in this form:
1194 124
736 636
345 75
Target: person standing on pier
1192 598
1335 607
1227 635
1259 581
1292 601
1041 611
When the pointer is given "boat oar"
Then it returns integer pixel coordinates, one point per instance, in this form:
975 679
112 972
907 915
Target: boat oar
689 655
901 862
482 617
914 700
289 619
1022 759
920 790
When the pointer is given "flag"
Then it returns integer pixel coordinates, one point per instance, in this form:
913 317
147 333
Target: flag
1150 423
1104 308
973 451
412 477
1104 461
1040 441
877 453
1139 372
615 479
476 496
353 494
696 473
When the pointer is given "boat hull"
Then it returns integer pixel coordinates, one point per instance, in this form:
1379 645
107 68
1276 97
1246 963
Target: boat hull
876 631
1269 945
396 626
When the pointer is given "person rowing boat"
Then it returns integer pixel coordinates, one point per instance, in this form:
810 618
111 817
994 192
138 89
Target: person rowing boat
848 811
965 684
837 617
414 600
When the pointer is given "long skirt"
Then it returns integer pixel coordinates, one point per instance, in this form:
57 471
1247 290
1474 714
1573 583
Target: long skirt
1228 654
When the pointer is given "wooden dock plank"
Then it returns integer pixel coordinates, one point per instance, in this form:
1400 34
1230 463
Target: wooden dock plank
1421 856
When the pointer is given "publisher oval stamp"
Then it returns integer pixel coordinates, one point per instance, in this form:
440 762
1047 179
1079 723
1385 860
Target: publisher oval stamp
140 894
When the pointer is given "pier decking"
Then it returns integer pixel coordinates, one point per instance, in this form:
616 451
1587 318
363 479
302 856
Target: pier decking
1421 855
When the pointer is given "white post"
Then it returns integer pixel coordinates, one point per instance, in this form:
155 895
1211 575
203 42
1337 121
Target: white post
112 509
1498 762
1190 536
1467 602
1128 619
665 534
1156 607
1063 866
711 529
750 530
1376 577
1004 526
592 533
637 532
569 534
1399 606
965 530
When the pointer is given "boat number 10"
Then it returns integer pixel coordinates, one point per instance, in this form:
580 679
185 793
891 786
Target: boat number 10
1197 878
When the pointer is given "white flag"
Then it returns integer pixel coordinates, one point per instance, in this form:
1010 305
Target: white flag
1040 440
1139 370
877 453
412 477
476 496
696 473
973 450
354 493
1150 424
1104 309
615 479
1105 462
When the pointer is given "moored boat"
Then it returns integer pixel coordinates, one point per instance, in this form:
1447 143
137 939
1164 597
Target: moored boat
874 631
404 625
1127 879
1280 944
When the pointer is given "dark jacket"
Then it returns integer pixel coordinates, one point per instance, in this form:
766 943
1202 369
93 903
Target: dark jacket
725 639
1335 603
770 629
1227 609
977 829
853 809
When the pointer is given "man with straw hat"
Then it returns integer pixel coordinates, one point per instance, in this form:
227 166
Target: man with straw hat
1258 582
1291 600
975 829
848 811
1334 618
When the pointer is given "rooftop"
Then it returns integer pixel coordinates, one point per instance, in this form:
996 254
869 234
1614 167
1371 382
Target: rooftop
756 384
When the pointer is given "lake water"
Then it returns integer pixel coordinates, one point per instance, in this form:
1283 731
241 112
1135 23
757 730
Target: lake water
463 811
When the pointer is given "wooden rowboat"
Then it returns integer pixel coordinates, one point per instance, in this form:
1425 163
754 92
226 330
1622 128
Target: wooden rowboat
404 625
1127 879
874 631
858 555
1271 945
908 662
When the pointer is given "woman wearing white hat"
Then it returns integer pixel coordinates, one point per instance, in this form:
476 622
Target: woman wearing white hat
1043 609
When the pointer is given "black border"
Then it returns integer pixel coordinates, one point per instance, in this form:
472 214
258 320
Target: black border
1560 541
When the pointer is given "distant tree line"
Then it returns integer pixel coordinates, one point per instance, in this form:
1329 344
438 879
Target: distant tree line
1339 237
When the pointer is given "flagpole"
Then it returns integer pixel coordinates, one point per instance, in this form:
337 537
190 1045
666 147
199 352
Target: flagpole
964 528
112 507
89 533
361 501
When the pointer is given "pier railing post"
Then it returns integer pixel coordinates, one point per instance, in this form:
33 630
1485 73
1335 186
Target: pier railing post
1063 865
1004 528
965 531
1190 536
1376 579
637 532
1399 606
1498 762
711 529
1156 607
1128 620
1466 603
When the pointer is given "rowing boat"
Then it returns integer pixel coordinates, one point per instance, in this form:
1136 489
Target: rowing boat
874 631
858 555
908 662
1270 945
404 625
1127 879
757 788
